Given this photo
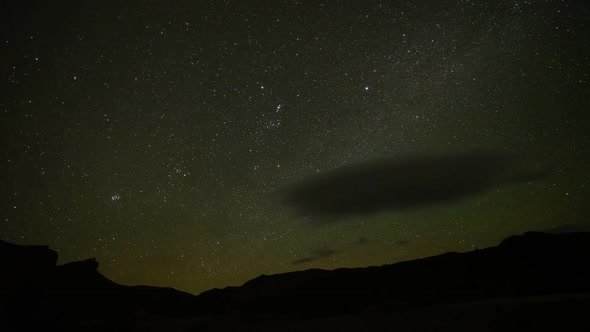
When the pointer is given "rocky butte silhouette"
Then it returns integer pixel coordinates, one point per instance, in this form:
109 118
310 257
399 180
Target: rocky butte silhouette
535 281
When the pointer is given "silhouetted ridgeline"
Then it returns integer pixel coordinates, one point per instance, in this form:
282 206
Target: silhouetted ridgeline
531 264
516 274
35 293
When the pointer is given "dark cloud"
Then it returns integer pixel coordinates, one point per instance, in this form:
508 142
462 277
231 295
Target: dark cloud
316 254
403 183
402 242
324 252
304 260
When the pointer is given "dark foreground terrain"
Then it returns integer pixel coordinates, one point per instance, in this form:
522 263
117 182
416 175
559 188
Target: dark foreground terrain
536 282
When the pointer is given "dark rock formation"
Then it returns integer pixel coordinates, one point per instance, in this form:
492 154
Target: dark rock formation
527 265
35 294
532 281
25 265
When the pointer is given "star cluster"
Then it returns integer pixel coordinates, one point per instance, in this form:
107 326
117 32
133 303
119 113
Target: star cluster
153 137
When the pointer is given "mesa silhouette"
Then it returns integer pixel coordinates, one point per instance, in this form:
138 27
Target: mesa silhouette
505 284
37 294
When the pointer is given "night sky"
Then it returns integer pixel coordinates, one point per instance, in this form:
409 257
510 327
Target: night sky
155 137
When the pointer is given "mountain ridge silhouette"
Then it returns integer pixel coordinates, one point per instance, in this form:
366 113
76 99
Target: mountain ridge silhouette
39 294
